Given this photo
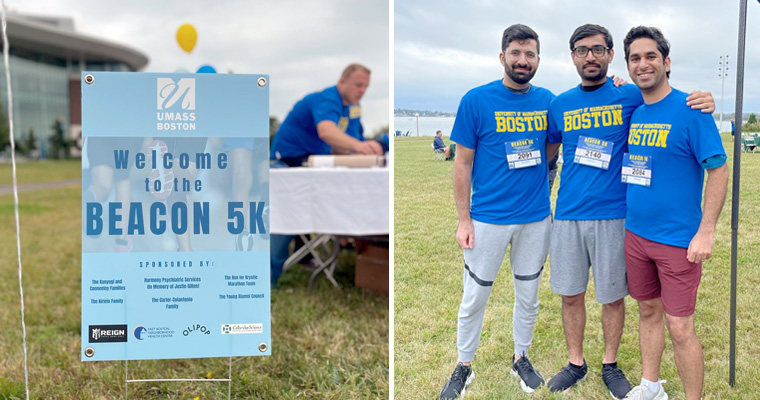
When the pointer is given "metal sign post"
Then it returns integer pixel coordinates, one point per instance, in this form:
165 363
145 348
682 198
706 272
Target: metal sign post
127 381
735 189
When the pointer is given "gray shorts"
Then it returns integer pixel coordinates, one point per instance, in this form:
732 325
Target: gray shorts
577 245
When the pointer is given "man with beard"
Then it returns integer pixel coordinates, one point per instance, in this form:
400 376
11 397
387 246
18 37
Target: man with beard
591 122
500 131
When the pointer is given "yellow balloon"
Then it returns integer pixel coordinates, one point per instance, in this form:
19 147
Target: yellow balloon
186 37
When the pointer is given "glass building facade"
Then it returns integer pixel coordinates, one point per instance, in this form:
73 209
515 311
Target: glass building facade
44 76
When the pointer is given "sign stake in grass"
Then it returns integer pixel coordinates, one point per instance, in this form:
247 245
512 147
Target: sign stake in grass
15 193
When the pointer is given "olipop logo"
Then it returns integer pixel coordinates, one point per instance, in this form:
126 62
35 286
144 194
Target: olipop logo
175 102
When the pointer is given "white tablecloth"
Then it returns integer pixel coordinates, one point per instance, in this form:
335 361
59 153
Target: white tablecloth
340 201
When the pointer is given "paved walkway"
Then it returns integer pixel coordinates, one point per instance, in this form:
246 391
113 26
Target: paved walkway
28 187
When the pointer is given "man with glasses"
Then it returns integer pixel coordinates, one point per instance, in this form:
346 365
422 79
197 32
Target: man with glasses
591 121
502 195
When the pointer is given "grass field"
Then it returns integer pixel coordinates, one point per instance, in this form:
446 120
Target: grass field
327 343
41 171
428 289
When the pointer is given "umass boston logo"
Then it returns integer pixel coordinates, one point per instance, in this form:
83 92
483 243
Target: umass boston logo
107 333
175 102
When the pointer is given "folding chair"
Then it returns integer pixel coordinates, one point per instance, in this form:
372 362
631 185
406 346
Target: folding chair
439 154
748 144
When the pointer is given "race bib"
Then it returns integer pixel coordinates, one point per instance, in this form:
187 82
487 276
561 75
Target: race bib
593 152
637 169
522 154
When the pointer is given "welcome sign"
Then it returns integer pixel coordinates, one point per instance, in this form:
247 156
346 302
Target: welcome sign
175 216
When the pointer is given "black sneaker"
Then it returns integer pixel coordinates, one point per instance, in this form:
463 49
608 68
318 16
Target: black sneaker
456 386
530 379
569 376
615 380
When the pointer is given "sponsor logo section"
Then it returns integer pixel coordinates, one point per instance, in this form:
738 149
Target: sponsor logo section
238 329
107 333
153 332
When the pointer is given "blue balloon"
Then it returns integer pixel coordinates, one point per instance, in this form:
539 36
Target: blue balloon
206 69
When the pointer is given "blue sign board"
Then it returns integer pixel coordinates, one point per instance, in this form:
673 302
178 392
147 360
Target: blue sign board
175 216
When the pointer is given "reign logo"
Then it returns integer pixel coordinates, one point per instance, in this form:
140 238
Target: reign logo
169 93
108 333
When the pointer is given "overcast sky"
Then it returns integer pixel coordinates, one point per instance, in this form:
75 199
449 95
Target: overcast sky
302 45
443 48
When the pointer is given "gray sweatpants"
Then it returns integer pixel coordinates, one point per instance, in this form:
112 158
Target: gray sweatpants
530 245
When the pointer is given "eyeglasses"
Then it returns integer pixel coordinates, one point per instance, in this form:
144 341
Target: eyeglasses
598 50
529 55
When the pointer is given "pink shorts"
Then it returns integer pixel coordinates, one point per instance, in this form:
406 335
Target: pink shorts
658 270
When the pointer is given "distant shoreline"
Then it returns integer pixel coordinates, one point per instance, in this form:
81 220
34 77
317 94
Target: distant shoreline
404 113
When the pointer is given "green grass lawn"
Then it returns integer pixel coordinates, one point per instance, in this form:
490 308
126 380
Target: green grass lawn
428 289
326 344
40 171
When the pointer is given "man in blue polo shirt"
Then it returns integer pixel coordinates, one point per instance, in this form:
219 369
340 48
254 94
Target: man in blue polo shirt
668 235
326 122
591 122
501 186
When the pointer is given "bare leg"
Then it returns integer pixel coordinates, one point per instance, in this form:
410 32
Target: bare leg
242 178
124 195
688 354
183 240
102 182
613 318
651 337
574 322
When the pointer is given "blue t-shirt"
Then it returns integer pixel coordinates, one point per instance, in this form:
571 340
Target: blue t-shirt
587 192
494 121
298 137
678 139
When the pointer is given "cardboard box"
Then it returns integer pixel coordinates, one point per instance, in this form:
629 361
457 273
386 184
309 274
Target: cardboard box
372 271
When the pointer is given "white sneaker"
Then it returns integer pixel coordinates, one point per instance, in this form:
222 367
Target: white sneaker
642 392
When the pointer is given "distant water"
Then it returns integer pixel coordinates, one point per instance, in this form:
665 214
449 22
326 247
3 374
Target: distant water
428 125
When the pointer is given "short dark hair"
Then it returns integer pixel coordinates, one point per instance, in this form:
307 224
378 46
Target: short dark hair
663 46
519 32
587 30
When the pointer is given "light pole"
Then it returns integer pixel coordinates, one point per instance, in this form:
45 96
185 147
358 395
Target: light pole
722 74
418 123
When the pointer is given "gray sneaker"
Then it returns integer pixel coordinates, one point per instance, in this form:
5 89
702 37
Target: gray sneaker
642 392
